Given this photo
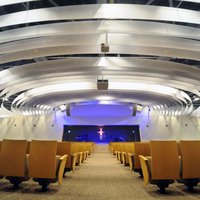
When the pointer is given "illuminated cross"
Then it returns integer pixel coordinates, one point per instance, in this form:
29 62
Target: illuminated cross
101 132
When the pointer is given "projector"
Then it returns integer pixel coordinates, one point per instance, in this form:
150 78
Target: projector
102 84
104 48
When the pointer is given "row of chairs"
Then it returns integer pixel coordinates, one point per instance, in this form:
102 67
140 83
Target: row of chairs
44 161
170 161
77 152
128 153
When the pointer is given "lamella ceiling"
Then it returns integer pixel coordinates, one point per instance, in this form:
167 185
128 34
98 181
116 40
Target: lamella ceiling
50 55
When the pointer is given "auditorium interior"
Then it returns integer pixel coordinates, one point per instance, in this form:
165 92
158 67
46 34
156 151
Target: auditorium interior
99 99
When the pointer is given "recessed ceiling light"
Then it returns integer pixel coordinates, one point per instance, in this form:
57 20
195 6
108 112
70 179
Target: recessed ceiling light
104 98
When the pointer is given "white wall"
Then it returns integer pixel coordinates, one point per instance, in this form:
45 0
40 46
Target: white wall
152 125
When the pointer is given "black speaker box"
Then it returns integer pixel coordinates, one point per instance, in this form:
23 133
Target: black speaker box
134 109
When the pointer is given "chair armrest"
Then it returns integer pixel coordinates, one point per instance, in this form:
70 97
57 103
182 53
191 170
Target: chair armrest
130 159
62 161
80 157
74 158
145 171
123 157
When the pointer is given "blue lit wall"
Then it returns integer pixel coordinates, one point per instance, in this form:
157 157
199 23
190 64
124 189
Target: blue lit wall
106 115
101 110
101 134
86 122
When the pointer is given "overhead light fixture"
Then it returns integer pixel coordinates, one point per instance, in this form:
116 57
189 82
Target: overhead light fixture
63 108
104 98
139 108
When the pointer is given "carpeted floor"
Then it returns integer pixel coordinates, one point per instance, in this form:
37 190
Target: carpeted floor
101 177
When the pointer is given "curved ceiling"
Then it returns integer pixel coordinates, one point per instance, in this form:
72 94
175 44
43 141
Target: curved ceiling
51 55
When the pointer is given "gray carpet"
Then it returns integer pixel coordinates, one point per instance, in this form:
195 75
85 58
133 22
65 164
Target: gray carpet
101 177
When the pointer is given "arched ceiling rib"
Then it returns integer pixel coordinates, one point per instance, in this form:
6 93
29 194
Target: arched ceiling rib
149 62
139 97
99 27
101 11
10 2
90 39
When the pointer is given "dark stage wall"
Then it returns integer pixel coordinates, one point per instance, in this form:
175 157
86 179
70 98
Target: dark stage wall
108 133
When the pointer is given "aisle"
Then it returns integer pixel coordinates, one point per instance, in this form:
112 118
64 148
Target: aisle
102 177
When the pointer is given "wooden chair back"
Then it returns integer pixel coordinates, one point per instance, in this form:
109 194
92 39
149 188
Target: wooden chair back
42 159
13 158
165 160
140 148
64 148
190 159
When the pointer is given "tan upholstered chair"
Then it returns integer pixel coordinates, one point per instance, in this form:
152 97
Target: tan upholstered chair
44 166
128 149
119 152
64 148
84 150
77 156
113 147
140 148
90 147
13 161
162 168
190 163
130 155
123 152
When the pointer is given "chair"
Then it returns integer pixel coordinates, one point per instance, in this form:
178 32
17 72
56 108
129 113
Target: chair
119 153
13 161
90 147
128 149
190 163
83 151
64 148
140 148
76 155
162 168
130 155
44 166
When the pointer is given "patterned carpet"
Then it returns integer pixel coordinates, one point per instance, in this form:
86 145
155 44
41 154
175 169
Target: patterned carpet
101 177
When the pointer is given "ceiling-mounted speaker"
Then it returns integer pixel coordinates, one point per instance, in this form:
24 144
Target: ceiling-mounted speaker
139 108
102 84
68 112
104 48
134 109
